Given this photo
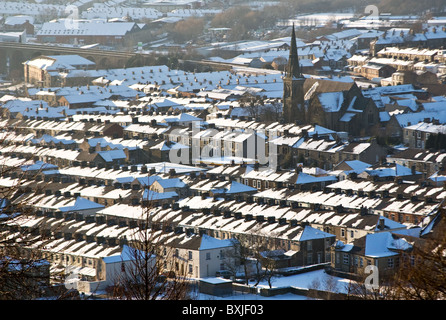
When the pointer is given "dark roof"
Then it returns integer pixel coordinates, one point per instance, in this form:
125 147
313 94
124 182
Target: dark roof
86 156
328 85
417 154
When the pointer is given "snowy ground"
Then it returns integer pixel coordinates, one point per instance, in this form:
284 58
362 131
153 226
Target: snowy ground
317 279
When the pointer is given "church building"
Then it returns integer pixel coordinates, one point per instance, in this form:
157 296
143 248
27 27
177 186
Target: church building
336 105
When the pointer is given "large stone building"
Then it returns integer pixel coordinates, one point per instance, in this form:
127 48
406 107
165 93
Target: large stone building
48 71
87 32
336 105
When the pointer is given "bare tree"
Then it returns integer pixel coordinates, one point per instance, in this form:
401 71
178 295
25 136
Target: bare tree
151 273
239 256
254 252
268 266
24 274
422 275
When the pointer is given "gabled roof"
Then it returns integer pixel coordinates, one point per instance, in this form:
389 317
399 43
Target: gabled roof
304 178
171 183
234 188
390 171
310 233
148 181
353 166
208 242
111 155
328 85
127 254
82 204
376 245
384 244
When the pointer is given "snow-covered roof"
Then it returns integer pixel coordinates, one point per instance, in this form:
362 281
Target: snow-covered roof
82 204
384 244
331 101
310 233
208 243
18 20
85 28
151 195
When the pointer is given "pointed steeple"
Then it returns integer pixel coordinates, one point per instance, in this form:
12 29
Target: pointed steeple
293 68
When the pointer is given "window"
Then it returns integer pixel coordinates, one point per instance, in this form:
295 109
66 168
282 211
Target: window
342 232
190 255
309 245
390 263
371 118
190 268
352 234
309 259
345 259
208 256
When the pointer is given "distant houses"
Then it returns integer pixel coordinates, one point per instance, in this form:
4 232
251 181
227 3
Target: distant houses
105 147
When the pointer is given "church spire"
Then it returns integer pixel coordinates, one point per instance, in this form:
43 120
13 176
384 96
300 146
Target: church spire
293 87
293 68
